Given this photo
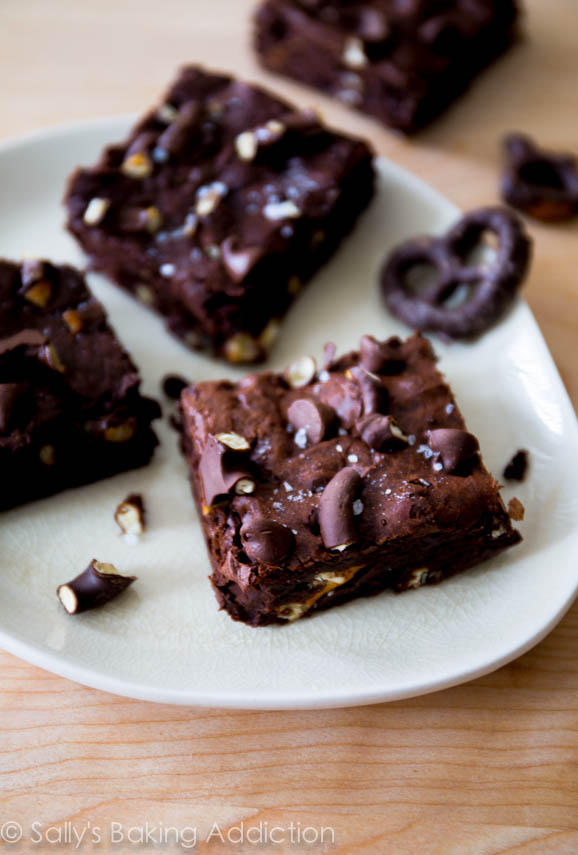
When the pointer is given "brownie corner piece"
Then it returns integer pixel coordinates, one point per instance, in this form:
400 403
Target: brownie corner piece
402 62
70 407
219 205
320 485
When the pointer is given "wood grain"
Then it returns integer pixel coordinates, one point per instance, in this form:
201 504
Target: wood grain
490 767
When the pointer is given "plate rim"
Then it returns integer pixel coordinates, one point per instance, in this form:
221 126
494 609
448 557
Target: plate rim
42 657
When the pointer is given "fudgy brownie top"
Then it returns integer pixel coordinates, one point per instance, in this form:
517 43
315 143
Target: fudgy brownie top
220 175
282 439
410 38
55 343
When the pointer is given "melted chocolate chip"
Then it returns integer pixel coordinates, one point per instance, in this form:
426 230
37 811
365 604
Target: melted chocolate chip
456 448
314 417
266 541
336 517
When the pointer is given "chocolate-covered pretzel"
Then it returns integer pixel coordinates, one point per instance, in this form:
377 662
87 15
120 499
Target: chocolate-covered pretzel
491 285
541 183
94 587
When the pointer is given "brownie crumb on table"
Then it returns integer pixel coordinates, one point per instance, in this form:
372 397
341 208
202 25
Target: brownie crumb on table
70 408
517 468
219 206
402 62
318 486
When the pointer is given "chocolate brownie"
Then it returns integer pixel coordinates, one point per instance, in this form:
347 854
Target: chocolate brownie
70 408
318 486
403 61
217 208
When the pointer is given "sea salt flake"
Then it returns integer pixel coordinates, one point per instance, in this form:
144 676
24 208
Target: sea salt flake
357 507
288 486
301 438
352 458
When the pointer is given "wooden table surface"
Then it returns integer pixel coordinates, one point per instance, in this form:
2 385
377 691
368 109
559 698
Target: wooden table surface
489 767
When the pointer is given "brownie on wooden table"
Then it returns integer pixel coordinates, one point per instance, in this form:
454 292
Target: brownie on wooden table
318 486
217 208
70 408
402 61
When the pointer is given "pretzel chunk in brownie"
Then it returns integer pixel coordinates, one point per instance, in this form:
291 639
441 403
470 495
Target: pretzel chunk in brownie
359 479
221 203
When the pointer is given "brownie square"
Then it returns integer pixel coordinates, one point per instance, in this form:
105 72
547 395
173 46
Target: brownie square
402 61
219 206
318 486
70 408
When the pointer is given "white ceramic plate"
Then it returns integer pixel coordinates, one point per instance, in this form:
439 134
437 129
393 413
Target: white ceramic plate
164 640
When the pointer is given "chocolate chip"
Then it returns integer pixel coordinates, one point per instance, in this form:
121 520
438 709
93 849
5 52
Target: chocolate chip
373 393
456 448
97 585
238 261
313 417
381 357
24 338
173 385
222 470
336 517
266 541
517 467
381 432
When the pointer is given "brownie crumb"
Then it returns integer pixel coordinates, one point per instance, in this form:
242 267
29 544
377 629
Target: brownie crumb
516 510
517 467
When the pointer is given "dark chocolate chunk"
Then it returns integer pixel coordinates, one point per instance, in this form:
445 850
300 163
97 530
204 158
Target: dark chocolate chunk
266 541
130 515
381 432
173 385
221 470
541 183
491 286
312 417
97 585
517 467
336 517
456 448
